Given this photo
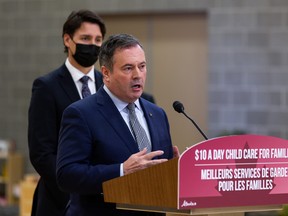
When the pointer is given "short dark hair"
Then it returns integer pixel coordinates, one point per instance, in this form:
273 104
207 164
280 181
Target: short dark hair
76 18
113 43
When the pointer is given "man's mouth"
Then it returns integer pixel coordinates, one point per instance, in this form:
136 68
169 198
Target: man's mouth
136 86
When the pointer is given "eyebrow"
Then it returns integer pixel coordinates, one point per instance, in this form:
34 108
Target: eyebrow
127 65
88 35
133 65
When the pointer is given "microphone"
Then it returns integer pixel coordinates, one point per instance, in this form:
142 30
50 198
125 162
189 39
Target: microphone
178 107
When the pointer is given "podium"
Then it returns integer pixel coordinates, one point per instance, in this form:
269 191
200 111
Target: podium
182 186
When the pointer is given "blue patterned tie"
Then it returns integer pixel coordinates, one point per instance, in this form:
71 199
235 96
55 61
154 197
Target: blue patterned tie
85 89
138 131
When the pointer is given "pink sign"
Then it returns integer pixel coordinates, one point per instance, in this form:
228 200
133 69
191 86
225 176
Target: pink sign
244 170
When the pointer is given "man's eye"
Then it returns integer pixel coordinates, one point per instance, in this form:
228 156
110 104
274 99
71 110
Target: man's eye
98 40
85 38
142 67
128 68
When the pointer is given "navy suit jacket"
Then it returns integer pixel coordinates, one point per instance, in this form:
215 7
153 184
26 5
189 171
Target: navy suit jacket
51 94
94 140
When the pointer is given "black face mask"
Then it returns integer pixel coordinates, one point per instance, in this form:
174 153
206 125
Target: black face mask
86 54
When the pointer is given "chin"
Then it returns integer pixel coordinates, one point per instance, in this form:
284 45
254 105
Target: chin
135 97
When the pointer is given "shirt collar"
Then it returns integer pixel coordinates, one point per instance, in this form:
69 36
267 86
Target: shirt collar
121 105
77 74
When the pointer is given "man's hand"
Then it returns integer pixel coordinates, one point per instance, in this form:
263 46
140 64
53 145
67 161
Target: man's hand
141 160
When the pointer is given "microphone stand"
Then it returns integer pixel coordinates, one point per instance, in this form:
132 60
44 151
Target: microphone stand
195 125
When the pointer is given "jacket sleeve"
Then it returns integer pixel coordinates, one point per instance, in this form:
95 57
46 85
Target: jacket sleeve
76 173
43 131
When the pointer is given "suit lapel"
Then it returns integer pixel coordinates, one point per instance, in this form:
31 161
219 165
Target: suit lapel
68 84
114 118
98 79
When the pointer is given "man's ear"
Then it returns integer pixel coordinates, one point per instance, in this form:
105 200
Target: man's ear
105 72
66 40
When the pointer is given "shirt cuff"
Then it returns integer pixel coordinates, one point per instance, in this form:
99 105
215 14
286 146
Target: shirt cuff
121 170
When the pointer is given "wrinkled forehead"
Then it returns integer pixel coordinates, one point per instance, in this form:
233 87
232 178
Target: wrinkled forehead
130 53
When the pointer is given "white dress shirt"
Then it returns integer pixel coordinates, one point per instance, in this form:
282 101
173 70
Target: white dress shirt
77 75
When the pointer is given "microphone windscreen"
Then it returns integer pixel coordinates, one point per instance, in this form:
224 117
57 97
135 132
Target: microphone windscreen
178 106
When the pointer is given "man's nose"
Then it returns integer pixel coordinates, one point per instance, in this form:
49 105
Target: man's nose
136 72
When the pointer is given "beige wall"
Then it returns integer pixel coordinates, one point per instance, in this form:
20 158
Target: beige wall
176 52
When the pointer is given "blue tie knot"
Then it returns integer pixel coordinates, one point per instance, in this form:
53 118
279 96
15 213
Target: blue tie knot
84 79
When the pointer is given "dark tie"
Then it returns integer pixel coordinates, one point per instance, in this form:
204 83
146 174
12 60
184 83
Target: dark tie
85 89
138 131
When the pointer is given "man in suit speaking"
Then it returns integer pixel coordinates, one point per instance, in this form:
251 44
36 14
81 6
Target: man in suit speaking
111 133
83 33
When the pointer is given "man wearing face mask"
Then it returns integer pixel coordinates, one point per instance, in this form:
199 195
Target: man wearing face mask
83 33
